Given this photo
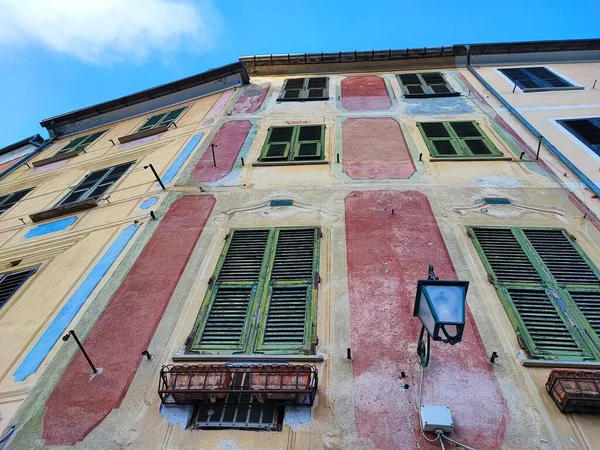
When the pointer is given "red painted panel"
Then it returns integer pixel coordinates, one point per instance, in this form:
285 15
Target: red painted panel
387 254
8 164
365 93
375 149
229 141
80 402
251 99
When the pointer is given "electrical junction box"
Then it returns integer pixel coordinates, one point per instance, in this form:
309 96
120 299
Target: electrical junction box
435 418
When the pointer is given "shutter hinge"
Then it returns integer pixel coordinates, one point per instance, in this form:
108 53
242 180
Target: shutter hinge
319 233
470 234
573 238
190 338
211 281
227 236
491 279
317 279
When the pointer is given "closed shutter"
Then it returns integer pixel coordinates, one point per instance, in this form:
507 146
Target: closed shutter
534 77
233 298
586 130
309 142
171 116
534 271
11 282
520 78
278 144
263 298
289 301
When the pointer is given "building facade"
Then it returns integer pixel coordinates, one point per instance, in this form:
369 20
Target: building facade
239 252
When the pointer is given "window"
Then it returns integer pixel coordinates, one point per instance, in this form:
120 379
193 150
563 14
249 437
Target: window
548 287
305 89
535 78
295 143
96 184
457 140
10 282
163 119
9 200
80 143
263 294
428 84
586 130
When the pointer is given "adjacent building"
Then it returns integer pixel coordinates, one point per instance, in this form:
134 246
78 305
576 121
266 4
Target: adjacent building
239 251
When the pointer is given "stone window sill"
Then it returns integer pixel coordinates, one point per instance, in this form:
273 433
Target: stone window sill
143 134
492 158
550 89
55 158
288 163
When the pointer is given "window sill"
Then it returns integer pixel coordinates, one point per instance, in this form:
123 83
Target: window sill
143 134
319 99
550 89
191 358
288 163
446 94
55 158
490 158
551 364
63 210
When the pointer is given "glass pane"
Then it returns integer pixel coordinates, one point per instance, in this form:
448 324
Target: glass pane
478 147
310 133
465 129
434 129
281 134
444 148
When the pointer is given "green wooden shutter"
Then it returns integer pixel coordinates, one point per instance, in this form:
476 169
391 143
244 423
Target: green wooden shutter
230 305
457 139
427 84
80 143
171 116
309 143
289 308
316 88
166 118
526 266
439 140
11 282
278 144
9 200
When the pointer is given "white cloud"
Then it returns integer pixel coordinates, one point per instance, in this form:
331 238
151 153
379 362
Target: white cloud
101 31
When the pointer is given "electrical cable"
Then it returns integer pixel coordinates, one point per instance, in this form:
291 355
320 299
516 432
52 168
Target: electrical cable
440 434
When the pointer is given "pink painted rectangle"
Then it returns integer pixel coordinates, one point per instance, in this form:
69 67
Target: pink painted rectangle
365 94
48 167
218 107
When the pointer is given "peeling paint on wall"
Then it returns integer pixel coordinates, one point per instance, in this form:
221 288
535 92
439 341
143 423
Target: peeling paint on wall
251 99
437 106
365 93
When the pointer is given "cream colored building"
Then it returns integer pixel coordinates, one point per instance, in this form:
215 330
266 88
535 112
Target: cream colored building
304 197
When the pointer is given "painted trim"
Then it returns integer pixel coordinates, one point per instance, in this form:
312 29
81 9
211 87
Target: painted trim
192 144
46 342
574 138
51 227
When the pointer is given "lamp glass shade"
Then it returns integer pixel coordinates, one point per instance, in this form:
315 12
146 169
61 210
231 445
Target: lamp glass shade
441 308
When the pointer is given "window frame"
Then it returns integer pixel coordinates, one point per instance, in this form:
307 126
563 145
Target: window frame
84 141
541 84
4 199
252 335
428 91
304 91
292 146
462 150
162 119
594 120
86 196
559 296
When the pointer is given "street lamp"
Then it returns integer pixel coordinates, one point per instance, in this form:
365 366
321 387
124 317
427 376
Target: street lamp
440 305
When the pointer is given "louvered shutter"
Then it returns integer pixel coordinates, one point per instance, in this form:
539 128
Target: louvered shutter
572 271
427 84
547 77
305 89
11 282
278 145
520 78
472 139
586 130
530 268
288 310
439 140
171 116
533 306
233 299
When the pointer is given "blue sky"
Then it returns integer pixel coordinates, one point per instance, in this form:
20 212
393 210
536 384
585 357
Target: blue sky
61 55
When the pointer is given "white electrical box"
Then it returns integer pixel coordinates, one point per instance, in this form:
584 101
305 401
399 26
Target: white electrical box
435 418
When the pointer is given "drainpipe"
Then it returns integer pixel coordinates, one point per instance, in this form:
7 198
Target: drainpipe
556 152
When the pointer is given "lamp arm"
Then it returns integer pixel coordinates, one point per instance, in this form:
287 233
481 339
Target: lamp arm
424 349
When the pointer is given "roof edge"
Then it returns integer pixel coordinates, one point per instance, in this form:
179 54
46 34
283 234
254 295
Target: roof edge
147 94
